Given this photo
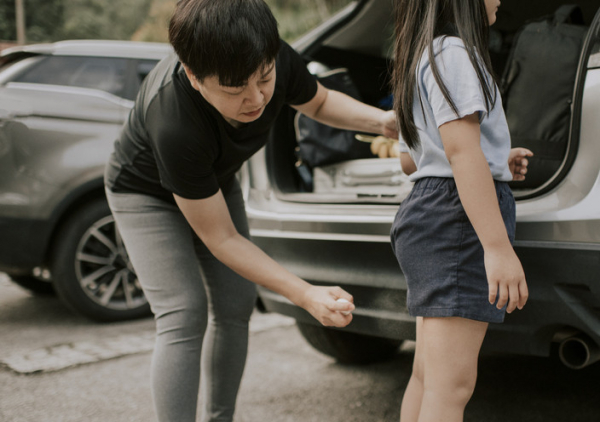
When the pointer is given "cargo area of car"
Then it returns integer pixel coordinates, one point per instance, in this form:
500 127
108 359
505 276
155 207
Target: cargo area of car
364 47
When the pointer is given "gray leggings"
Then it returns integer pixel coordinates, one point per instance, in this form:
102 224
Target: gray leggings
195 299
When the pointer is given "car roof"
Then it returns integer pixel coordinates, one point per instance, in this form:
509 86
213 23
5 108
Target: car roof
102 48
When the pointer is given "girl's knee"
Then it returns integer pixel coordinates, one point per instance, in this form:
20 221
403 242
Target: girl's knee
463 388
454 388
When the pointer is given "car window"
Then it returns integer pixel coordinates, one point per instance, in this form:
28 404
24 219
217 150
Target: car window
12 67
143 68
139 71
7 62
102 73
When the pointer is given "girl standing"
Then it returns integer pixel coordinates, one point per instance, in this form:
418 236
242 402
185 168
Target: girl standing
453 234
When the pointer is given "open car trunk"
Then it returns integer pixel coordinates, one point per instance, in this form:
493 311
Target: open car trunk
363 46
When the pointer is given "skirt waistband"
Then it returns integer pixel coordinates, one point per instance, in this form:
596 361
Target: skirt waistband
450 184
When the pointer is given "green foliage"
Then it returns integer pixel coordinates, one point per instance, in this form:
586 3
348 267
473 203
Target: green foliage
43 19
52 20
144 20
297 17
7 20
155 26
103 19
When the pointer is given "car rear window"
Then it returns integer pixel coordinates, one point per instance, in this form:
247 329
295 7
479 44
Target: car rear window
143 68
102 73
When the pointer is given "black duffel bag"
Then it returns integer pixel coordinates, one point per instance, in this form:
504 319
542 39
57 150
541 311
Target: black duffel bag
319 144
537 89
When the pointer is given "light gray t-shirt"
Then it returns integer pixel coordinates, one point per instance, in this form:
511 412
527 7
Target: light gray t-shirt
462 83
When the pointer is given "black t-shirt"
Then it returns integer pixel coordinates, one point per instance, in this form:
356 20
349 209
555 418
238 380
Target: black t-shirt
176 142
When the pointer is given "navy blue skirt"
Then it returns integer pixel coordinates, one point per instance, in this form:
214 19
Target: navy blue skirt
440 253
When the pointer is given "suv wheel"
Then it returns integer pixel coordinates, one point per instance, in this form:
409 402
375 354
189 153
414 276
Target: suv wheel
347 347
34 284
91 271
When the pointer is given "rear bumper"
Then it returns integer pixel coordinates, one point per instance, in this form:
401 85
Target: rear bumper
367 270
366 320
563 285
23 244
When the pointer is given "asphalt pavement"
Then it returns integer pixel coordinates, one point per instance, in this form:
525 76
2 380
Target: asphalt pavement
59 367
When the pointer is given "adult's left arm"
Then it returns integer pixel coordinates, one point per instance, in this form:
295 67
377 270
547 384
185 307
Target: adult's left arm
339 110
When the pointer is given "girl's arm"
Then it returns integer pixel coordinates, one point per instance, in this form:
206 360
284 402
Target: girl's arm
517 162
339 110
461 139
407 163
211 221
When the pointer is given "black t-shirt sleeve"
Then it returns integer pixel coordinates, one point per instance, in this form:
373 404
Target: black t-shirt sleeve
302 86
185 166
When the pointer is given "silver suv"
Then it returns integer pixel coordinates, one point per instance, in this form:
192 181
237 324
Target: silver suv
62 106
338 233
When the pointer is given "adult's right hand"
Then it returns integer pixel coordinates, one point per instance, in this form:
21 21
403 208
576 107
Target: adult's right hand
321 303
210 219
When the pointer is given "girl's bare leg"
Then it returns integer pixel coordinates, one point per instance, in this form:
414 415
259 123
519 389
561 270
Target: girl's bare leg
450 350
411 403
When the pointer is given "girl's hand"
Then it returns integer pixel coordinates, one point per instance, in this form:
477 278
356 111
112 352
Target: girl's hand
518 163
506 279
321 303
389 125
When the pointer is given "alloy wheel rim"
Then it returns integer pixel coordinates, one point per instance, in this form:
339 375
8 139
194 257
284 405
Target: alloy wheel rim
103 268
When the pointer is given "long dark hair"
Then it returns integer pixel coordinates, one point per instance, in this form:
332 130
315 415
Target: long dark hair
418 23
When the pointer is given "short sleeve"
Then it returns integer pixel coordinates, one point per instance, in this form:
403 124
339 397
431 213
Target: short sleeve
301 84
185 166
461 81
403 146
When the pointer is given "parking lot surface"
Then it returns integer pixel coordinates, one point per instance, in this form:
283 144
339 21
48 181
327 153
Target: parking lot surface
101 374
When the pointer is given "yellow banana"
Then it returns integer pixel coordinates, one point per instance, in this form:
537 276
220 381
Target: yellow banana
376 144
395 149
384 150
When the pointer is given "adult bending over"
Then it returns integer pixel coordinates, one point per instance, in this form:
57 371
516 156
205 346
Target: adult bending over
172 189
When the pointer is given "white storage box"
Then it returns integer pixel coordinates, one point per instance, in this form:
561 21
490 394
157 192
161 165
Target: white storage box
369 177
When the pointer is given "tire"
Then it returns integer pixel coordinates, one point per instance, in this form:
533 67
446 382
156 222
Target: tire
347 347
33 284
90 268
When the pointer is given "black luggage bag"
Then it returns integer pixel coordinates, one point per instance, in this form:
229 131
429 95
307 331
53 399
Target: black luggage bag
320 144
537 89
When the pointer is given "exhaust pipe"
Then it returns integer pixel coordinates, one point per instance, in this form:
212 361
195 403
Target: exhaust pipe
578 351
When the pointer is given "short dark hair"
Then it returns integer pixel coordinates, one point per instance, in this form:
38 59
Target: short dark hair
230 39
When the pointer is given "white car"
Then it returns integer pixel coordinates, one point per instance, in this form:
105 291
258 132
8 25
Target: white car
338 234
